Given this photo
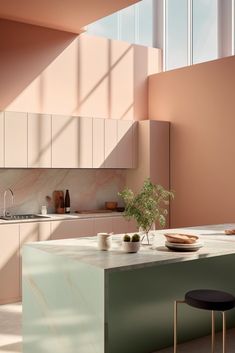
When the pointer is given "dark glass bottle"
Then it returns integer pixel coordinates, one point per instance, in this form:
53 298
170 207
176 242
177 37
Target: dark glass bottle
67 202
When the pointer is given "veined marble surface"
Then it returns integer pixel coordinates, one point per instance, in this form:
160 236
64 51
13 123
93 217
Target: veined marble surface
84 250
89 188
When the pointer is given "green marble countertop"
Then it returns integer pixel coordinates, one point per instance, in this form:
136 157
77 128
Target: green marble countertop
85 250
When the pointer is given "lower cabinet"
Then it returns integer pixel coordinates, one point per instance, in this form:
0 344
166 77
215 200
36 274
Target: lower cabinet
30 232
72 228
117 225
9 263
121 226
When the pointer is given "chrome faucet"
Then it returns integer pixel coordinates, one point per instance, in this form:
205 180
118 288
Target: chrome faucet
5 213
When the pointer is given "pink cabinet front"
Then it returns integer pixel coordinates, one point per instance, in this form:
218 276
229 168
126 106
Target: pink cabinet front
65 141
16 126
103 225
72 228
122 226
9 263
39 141
98 143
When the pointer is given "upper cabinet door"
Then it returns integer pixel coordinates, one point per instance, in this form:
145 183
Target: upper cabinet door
65 142
125 144
85 142
98 143
15 140
111 133
1 139
39 141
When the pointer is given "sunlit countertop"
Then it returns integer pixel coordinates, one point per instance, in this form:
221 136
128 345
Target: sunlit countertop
58 217
85 250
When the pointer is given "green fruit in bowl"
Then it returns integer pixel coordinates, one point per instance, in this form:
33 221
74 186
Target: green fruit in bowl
135 238
126 238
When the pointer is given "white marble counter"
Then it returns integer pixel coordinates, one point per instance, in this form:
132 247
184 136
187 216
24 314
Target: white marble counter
58 217
84 250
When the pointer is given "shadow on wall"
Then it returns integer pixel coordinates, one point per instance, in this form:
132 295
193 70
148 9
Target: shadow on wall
26 51
54 72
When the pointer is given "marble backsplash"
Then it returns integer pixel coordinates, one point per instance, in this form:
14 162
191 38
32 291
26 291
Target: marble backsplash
88 188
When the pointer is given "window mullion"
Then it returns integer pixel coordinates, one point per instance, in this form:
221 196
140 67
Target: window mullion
190 32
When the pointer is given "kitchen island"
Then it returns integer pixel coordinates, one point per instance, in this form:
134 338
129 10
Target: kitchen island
79 299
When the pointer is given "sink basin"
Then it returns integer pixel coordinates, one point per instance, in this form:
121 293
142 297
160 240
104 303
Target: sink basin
22 217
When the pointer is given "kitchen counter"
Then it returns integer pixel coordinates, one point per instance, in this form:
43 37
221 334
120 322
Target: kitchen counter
56 217
84 250
79 299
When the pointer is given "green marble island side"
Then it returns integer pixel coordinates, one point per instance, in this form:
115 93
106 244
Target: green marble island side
77 299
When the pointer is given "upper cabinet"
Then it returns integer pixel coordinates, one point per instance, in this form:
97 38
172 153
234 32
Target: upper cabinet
57 141
98 143
65 141
39 141
110 141
124 144
16 140
85 142
120 137
1 140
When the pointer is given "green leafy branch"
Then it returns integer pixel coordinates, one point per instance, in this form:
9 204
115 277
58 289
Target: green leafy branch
148 206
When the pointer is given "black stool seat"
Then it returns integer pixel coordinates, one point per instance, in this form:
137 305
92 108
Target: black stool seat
208 299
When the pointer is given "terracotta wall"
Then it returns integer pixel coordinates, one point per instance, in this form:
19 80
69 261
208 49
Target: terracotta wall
48 71
199 102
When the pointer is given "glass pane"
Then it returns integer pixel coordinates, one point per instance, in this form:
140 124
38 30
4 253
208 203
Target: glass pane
204 30
106 27
176 34
144 13
132 24
127 24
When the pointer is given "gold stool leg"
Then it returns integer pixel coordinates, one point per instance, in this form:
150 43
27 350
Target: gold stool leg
224 332
212 331
176 302
175 326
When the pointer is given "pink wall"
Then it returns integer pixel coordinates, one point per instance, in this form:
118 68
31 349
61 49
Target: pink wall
67 15
48 71
199 102
26 51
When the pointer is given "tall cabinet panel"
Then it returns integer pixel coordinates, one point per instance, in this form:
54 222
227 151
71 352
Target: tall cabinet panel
85 142
39 141
16 140
65 141
125 144
98 143
1 139
111 155
9 263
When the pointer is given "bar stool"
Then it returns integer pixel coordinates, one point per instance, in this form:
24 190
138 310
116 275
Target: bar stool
207 299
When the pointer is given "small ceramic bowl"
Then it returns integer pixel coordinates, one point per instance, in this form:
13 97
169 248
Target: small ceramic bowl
131 246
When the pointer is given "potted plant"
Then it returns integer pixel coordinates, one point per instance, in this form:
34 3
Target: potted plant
131 244
148 206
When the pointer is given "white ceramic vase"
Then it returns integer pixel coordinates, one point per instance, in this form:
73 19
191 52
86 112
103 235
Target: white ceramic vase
131 246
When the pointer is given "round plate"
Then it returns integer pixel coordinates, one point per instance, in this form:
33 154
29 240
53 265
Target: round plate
184 247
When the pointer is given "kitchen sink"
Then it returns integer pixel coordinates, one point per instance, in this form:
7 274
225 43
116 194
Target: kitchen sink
22 217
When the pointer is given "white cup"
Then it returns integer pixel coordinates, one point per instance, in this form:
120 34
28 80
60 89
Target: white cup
44 210
104 241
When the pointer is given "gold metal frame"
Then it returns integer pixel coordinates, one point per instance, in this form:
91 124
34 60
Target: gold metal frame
176 302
